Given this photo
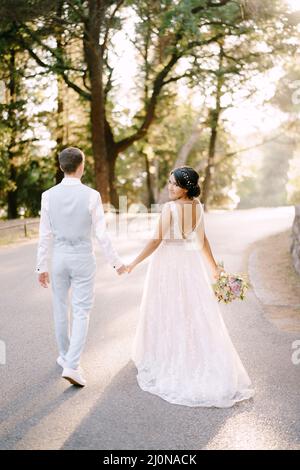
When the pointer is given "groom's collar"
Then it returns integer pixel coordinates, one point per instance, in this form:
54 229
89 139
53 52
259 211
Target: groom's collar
67 180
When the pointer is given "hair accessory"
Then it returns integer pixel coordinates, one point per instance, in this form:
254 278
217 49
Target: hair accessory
187 179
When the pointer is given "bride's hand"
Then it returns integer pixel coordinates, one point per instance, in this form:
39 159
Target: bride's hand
217 271
130 267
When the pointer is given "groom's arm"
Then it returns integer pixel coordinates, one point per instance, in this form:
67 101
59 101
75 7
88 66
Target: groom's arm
99 226
44 243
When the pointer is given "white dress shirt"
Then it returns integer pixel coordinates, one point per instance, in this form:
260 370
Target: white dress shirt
98 227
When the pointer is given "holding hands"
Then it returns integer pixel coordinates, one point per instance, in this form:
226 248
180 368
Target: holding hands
44 279
122 269
126 268
130 267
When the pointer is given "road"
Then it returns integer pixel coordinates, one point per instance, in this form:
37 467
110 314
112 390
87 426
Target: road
39 410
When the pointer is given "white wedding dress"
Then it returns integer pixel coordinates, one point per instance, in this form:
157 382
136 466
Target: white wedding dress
182 349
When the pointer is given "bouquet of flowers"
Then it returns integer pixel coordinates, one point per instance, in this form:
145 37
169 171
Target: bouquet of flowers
229 287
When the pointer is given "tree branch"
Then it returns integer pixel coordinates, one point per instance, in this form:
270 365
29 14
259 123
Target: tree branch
79 13
193 44
175 79
75 87
52 51
210 4
158 84
119 4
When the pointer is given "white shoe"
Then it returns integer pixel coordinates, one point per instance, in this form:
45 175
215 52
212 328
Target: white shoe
74 376
61 362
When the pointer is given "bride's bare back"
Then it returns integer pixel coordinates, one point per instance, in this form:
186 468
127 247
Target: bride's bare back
189 216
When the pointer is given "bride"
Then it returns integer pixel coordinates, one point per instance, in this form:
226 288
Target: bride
182 349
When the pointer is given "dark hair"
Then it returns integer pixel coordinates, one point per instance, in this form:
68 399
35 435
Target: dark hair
187 178
70 159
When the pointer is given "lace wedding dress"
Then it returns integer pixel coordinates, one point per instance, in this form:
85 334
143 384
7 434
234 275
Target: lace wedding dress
182 349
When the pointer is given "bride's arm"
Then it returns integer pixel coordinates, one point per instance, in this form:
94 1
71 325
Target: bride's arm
210 258
147 251
205 248
215 268
161 232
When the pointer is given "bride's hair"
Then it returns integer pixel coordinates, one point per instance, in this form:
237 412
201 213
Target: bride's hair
187 178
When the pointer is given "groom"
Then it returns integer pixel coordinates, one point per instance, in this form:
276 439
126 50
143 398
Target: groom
70 212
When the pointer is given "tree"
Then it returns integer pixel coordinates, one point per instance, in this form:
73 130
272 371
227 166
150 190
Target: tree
15 145
168 34
97 19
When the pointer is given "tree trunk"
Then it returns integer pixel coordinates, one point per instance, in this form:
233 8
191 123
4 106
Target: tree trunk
113 155
60 105
59 130
94 59
12 206
150 192
210 162
214 122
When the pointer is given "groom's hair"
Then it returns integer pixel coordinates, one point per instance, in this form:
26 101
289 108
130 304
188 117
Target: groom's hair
70 159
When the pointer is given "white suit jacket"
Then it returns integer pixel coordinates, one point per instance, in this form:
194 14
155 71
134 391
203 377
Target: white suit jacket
98 223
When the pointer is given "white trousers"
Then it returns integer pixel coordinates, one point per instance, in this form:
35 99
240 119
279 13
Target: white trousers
75 273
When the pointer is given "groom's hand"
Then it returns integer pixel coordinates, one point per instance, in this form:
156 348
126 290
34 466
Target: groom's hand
44 279
122 269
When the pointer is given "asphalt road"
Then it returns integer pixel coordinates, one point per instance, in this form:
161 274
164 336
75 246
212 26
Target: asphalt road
39 410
